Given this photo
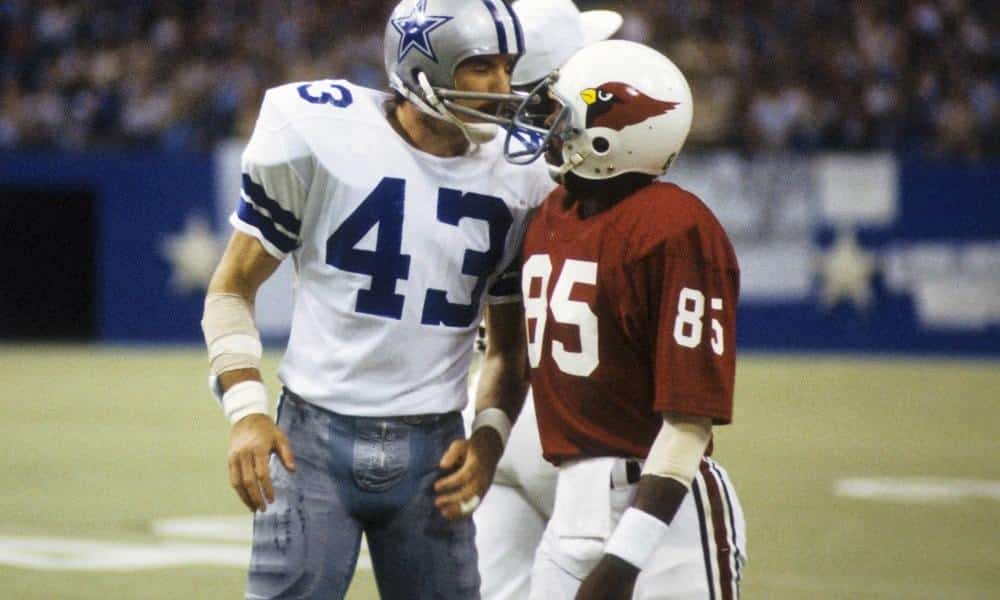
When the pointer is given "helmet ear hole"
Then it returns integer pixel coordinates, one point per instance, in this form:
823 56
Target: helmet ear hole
601 145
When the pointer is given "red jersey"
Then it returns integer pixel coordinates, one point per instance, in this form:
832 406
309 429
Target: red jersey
630 313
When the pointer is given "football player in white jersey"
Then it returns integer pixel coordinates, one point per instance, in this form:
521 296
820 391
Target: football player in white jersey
400 216
512 517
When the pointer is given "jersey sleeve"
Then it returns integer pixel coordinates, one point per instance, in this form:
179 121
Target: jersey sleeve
506 287
276 169
695 345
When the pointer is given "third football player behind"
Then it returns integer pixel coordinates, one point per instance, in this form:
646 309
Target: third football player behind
630 288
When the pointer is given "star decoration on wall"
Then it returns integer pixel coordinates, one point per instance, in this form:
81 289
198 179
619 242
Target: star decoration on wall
193 255
846 272
415 28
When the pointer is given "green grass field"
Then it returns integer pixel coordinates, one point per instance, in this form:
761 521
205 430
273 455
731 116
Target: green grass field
102 442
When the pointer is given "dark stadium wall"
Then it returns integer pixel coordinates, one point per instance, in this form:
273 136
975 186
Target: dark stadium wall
48 288
141 199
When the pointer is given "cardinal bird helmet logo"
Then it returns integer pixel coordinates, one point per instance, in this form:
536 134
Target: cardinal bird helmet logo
617 105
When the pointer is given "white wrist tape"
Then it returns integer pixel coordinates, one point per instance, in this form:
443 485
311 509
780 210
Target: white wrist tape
637 537
495 418
244 398
230 334
677 450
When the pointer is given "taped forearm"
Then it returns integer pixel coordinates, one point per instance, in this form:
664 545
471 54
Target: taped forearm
678 448
234 343
230 334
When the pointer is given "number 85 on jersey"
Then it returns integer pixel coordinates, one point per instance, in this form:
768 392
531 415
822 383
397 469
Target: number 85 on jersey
689 326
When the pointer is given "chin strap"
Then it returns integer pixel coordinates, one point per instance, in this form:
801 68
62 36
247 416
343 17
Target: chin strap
575 160
431 104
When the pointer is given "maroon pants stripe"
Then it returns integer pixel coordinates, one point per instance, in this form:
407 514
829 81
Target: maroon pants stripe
705 546
720 530
732 526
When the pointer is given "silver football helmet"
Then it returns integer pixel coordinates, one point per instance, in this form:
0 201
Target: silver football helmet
426 40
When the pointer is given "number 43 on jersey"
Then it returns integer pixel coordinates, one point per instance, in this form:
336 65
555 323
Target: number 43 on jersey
688 326
383 208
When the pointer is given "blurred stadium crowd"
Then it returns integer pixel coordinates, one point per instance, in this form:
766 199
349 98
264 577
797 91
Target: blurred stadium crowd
906 75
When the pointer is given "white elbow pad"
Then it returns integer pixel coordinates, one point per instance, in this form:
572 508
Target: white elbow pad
230 334
677 450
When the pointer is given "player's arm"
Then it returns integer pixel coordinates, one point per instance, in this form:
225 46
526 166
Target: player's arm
694 370
503 375
670 468
234 354
503 385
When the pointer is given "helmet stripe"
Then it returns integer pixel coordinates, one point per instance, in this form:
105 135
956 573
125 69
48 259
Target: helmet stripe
501 30
518 33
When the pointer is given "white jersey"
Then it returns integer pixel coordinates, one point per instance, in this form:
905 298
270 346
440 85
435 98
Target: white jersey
395 250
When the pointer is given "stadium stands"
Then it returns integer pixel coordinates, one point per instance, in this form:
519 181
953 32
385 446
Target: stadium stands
915 76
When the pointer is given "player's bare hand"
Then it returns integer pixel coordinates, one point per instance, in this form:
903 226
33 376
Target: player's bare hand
472 464
611 579
251 442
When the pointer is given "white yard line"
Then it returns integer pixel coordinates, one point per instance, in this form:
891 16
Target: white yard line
73 554
922 490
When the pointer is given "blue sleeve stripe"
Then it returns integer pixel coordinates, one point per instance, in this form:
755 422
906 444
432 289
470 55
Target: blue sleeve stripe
281 240
278 214
509 284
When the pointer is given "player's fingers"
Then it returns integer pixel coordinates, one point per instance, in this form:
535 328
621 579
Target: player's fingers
446 500
452 512
284 450
452 481
236 481
453 455
458 506
263 473
249 480
457 494
452 509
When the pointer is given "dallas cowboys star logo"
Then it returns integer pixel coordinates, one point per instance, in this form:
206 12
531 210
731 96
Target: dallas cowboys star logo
415 28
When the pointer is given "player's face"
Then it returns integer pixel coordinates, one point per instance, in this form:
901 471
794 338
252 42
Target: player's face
488 73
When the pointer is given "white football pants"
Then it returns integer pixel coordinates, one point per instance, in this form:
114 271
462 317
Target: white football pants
701 558
511 523
512 517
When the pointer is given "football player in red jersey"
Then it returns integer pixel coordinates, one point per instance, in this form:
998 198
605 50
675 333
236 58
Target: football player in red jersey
630 288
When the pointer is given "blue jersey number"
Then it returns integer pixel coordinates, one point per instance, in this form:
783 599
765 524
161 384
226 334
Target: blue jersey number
341 97
453 206
387 264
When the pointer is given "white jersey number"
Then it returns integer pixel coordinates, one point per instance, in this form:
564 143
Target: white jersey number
564 310
688 326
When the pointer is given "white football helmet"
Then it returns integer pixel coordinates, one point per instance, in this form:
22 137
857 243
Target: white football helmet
426 40
623 108
553 31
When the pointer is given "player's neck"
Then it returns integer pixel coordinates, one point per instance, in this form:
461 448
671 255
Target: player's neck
595 196
426 133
